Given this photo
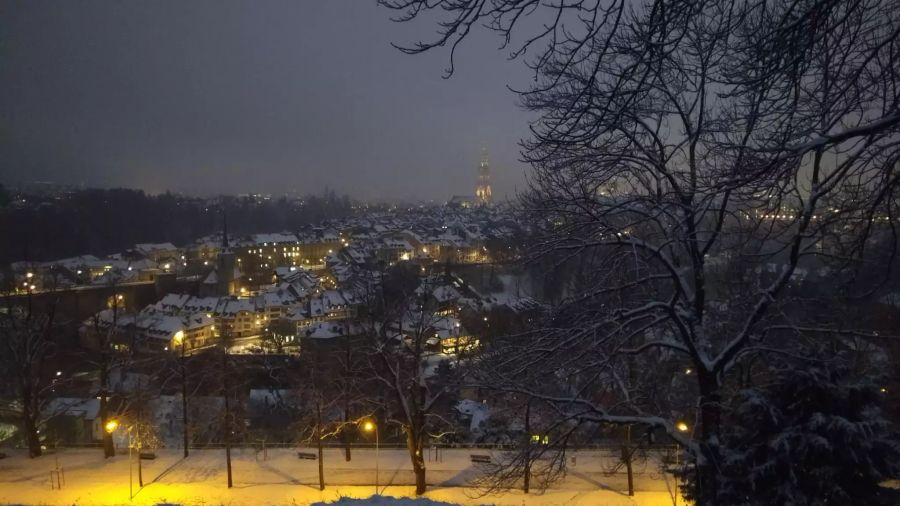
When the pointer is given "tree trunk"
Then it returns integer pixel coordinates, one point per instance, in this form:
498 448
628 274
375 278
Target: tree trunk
345 436
710 422
414 445
419 470
526 483
32 438
626 457
140 447
227 414
319 444
109 449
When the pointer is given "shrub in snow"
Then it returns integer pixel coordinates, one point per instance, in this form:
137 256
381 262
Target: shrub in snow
814 436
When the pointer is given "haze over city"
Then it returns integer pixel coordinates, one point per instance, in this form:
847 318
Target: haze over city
234 97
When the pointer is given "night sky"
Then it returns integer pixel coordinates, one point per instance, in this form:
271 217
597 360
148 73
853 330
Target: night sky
209 97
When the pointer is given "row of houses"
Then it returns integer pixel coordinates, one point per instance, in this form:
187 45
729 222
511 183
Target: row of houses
182 320
425 233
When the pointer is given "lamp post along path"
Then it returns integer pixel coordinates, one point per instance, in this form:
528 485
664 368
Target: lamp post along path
140 447
370 426
110 427
179 338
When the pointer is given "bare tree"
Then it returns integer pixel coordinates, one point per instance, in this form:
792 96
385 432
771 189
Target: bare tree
349 392
316 422
279 336
399 362
705 158
28 344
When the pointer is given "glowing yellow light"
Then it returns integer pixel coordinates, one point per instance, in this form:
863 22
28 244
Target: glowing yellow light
111 426
688 370
178 337
29 275
368 426
682 426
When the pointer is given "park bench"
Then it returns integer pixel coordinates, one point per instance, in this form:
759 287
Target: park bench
480 459
147 456
306 456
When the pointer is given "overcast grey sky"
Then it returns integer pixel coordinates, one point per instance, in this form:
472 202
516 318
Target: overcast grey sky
237 96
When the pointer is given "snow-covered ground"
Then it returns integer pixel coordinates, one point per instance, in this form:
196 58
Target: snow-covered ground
281 478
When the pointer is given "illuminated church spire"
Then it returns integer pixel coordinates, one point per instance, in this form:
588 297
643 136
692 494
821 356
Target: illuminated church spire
483 185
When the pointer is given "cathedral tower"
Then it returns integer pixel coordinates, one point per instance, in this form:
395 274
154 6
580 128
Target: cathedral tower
483 184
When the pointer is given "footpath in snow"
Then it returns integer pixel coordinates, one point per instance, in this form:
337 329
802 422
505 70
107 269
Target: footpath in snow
279 477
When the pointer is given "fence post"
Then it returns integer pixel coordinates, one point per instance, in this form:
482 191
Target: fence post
58 484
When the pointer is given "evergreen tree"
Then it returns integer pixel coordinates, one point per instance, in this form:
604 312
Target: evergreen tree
813 436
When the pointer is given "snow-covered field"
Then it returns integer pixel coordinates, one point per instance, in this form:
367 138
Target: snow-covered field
282 478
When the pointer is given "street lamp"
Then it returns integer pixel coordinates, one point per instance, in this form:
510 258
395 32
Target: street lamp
179 339
682 426
111 426
370 426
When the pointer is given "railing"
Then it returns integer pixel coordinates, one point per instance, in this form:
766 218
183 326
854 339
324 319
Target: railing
612 446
